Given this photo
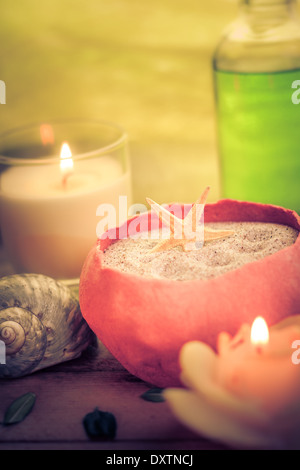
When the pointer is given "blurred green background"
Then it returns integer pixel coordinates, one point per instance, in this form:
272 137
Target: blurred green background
143 64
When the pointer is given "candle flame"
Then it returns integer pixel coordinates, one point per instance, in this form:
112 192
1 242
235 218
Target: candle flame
259 332
66 161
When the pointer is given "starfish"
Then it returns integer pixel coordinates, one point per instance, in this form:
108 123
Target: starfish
188 227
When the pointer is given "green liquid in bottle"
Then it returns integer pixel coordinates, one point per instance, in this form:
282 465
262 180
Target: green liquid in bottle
259 137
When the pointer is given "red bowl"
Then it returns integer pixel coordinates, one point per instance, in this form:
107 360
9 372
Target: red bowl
144 322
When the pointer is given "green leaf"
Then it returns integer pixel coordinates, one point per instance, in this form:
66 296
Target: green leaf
19 409
154 395
100 424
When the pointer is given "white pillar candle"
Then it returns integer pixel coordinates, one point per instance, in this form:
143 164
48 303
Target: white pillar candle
48 217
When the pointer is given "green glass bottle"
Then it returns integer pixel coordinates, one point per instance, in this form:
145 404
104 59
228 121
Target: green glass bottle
257 88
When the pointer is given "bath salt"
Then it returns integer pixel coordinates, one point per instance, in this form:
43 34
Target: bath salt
250 242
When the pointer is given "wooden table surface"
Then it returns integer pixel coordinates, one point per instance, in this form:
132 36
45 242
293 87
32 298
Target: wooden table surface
65 393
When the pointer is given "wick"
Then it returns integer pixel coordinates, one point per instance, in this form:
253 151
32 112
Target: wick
65 179
259 349
237 343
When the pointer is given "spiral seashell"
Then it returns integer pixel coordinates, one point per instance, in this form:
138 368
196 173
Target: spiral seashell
13 336
40 324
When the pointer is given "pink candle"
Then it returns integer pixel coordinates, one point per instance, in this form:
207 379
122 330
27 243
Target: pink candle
247 394
257 364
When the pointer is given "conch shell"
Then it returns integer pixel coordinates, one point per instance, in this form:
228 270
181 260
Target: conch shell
40 324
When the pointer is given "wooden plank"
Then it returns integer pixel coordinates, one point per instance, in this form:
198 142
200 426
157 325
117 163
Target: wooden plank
63 399
67 392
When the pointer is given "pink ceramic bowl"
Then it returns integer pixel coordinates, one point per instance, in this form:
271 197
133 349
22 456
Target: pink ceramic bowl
144 322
